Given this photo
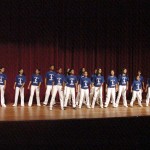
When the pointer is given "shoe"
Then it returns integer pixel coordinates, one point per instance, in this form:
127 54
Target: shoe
141 105
50 108
125 106
101 106
79 107
105 106
62 108
22 105
146 105
14 105
88 107
38 104
65 108
74 107
44 104
131 105
115 106
3 105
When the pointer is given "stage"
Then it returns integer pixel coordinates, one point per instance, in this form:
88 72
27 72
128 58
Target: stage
26 113
108 128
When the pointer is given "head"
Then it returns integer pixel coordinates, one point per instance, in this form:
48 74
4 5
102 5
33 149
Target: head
138 77
51 67
71 72
95 71
59 70
99 71
82 71
139 73
112 72
2 69
37 71
85 73
124 71
20 71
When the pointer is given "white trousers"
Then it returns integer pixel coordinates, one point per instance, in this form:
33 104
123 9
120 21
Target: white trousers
136 94
47 94
37 90
65 91
148 97
122 91
92 93
57 88
21 91
98 93
111 93
84 93
2 94
69 91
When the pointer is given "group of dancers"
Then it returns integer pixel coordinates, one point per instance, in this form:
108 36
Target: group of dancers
77 89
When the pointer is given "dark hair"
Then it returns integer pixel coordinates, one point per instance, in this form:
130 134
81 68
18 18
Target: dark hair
80 71
38 70
70 71
21 69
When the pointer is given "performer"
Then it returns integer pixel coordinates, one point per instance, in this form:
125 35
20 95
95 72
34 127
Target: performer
58 86
65 91
19 87
98 82
3 79
71 86
142 82
85 84
123 80
49 78
35 83
111 89
81 75
92 89
148 92
135 89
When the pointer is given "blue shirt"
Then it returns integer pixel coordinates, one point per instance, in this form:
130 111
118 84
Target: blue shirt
136 85
85 83
3 77
50 77
111 81
79 78
123 79
93 76
36 79
20 80
59 79
148 82
141 79
98 80
71 80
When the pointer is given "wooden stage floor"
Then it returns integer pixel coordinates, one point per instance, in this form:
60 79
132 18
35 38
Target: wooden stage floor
43 113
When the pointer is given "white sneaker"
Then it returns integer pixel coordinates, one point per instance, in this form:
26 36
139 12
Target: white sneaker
101 106
88 107
14 105
125 106
141 105
38 104
146 105
131 105
50 108
3 105
22 105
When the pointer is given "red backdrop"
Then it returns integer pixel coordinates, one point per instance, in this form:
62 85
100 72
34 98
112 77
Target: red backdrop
107 34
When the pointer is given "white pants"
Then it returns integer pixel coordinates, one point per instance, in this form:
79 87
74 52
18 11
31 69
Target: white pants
111 93
84 93
57 88
21 90
98 94
122 91
136 94
92 93
2 94
78 96
148 97
37 90
69 91
47 94
140 94
65 91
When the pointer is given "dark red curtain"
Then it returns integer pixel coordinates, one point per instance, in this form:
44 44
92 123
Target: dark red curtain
73 33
